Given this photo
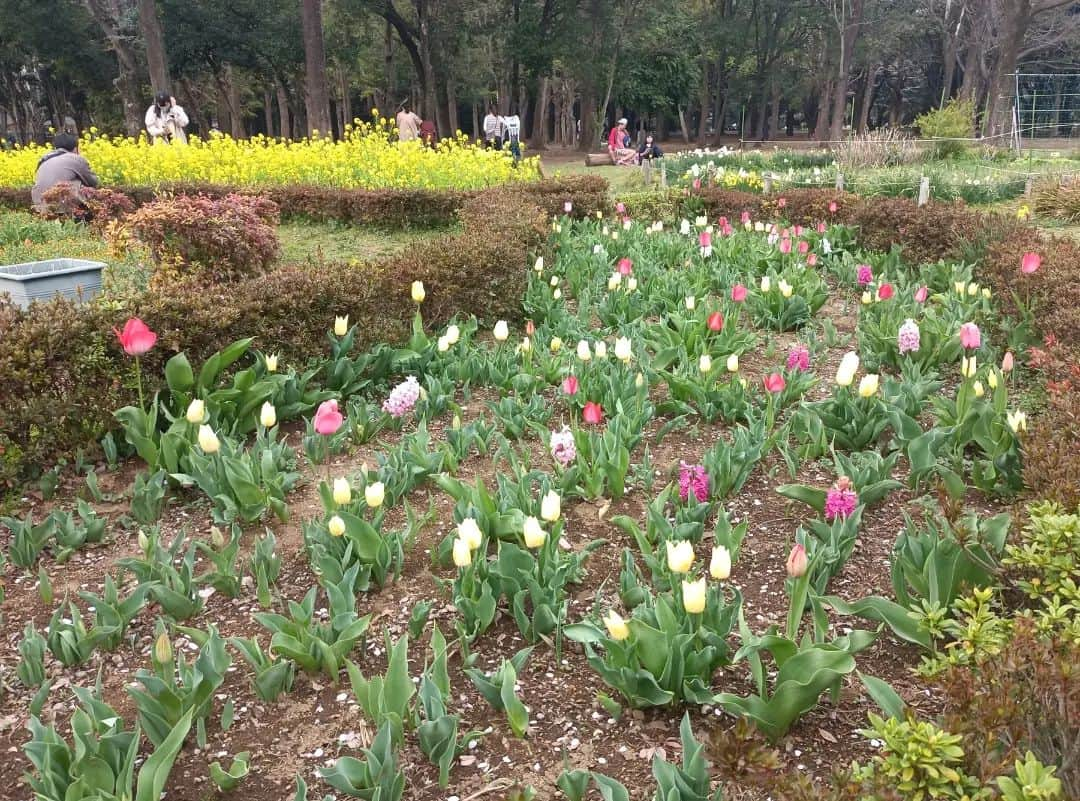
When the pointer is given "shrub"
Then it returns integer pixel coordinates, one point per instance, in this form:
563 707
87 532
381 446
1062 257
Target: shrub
951 124
225 238
1059 200
884 147
664 205
1051 459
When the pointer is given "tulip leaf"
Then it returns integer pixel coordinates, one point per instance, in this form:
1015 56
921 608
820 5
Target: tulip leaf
881 609
178 374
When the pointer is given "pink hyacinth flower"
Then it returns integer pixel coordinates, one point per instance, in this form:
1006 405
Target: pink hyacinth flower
864 274
798 358
840 503
402 397
693 480
907 338
563 449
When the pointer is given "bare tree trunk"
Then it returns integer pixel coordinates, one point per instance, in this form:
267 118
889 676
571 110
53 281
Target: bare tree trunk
850 24
156 59
683 126
346 99
284 123
589 132
476 120
451 109
108 16
1014 28
821 128
703 102
869 84
538 135
316 95
236 105
774 111
268 111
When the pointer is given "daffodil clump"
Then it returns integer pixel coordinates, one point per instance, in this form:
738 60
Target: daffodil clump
368 157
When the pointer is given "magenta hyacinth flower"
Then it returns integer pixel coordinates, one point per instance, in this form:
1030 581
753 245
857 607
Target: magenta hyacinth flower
840 503
907 338
865 275
693 479
402 398
798 358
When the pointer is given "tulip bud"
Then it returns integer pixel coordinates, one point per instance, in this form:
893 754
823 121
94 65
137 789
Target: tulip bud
720 564
1007 362
501 331
680 556
144 542
733 363
216 536
196 412
693 596
342 491
554 280
583 351
418 292
614 281
978 388
534 534
455 423
705 363
271 363
462 553
690 303
868 387
538 265
639 380
469 532
341 325
616 626
374 494
336 526
600 348
551 506
557 294
992 379
796 561
786 289
208 440
556 344
163 650
268 415
526 345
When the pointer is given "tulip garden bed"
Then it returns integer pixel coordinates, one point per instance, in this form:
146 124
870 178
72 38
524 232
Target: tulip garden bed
722 475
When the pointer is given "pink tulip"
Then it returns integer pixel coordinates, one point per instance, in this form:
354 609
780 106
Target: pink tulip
744 218
833 207
705 239
738 293
1007 362
327 418
821 228
568 207
136 339
697 183
811 260
530 328
593 413
570 385
781 203
970 337
620 208
785 245
796 561
921 293
722 222
626 266
774 382
1030 263
716 321
799 230
804 247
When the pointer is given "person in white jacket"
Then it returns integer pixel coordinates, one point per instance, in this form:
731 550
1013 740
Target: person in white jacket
166 120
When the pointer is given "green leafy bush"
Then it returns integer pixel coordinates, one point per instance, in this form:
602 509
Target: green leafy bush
950 125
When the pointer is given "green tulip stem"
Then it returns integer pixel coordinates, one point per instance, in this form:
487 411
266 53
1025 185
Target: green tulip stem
798 604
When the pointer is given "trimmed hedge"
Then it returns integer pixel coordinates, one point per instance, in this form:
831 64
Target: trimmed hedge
64 373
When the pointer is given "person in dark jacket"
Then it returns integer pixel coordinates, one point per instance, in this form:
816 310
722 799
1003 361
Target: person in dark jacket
649 150
62 165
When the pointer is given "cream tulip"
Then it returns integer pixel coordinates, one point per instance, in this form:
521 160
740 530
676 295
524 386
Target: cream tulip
271 363
501 331
469 531
418 293
268 415
551 506
849 365
623 349
600 348
690 302
766 283
583 351
693 596
453 334
616 626
341 325
336 526
868 387
733 363
704 363
375 494
786 289
196 412
462 553
208 440
720 564
680 556
342 491
535 536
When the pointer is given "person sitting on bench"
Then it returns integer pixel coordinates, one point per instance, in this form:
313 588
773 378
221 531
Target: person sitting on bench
649 150
618 143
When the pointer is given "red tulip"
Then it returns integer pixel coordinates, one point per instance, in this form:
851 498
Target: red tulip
921 293
885 291
774 382
593 413
570 385
327 418
1030 263
738 293
716 321
136 339
796 561
530 328
626 266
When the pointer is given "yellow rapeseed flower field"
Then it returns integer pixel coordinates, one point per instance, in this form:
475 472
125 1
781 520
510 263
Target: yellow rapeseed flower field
369 157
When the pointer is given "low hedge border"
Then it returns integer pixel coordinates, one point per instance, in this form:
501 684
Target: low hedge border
64 373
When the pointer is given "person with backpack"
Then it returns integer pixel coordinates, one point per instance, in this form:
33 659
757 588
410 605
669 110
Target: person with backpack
62 166
512 135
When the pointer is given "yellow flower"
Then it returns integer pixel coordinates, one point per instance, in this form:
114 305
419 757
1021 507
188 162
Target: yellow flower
556 344
551 506
616 626
693 594
720 564
614 281
341 325
845 373
786 289
268 415
992 379
534 534
978 387
342 491
336 526
469 531
959 286
462 553
680 556
163 650
973 289
271 363
418 292
868 387
196 412
208 440
867 298
374 494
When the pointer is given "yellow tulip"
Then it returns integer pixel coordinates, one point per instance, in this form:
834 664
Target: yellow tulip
978 388
196 412
556 344
720 564
462 553
342 491
469 531
868 387
693 594
271 363
268 415
163 650
786 289
341 325
336 526
374 494
418 292
992 379
1017 421
616 626
968 366
208 440
534 534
